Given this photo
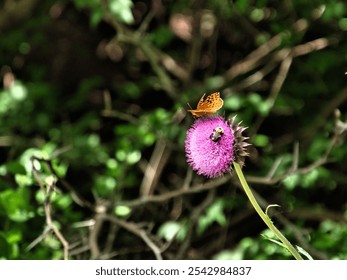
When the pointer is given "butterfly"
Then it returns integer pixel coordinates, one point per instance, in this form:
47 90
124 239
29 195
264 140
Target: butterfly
210 105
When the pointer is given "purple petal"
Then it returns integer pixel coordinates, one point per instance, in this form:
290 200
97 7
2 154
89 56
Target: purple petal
207 157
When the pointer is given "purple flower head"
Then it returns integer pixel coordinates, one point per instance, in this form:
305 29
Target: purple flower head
212 144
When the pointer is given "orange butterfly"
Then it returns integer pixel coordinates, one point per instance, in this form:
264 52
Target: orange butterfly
210 105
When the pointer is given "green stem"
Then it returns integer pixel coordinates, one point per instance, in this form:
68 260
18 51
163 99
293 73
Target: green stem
262 215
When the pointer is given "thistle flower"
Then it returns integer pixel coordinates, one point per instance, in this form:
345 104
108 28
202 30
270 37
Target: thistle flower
213 143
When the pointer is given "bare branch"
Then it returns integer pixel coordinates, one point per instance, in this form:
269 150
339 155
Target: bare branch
253 59
77 198
48 210
173 194
294 170
133 228
154 168
194 216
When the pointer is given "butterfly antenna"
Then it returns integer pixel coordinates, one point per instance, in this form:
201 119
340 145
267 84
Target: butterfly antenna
189 106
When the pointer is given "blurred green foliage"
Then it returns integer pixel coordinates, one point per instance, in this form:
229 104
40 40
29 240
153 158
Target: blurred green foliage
98 90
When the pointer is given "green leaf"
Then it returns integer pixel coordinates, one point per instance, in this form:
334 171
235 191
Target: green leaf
242 5
214 213
291 181
122 210
40 196
264 108
229 255
161 37
5 248
16 204
334 10
130 90
104 185
172 229
133 157
18 91
214 82
310 178
112 163
121 155
14 167
25 159
60 168
257 15
121 9
233 103
64 201
343 24
96 17
13 236
23 180
261 140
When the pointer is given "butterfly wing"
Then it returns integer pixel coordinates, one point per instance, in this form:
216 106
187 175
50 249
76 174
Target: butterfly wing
212 102
200 113
201 101
209 106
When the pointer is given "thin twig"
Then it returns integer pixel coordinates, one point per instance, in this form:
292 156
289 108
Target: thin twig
274 167
268 180
133 228
111 236
154 168
77 198
193 219
134 38
295 163
48 208
93 236
303 170
95 229
173 194
252 60
111 113
281 77
39 239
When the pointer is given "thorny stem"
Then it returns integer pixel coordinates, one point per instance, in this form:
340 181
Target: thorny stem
262 215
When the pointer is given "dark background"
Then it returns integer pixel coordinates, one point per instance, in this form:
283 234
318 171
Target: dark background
93 119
